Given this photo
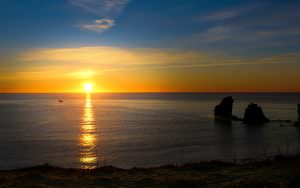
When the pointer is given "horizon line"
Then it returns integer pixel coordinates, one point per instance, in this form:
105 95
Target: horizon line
158 92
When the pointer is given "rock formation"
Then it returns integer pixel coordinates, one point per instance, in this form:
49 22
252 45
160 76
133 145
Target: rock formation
223 111
254 115
298 112
298 122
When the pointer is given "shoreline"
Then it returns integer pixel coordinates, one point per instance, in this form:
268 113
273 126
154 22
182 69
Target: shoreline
278 171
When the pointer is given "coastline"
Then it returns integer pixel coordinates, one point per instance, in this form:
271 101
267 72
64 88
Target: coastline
279 171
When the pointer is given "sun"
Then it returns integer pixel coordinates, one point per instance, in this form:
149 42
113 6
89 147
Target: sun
88 87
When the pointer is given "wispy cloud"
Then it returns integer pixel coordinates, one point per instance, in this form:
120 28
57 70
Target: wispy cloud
107 10
252 29
222 15
103 8
98 25
228 13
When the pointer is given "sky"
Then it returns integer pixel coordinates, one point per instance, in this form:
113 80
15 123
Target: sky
149 46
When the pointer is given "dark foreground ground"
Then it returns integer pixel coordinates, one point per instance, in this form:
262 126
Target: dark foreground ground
277 172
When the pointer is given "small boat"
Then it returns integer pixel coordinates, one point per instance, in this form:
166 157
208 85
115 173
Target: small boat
60 100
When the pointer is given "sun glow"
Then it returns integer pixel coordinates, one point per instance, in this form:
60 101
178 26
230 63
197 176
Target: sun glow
88 87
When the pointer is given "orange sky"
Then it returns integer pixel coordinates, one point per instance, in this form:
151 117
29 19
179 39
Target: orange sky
113 69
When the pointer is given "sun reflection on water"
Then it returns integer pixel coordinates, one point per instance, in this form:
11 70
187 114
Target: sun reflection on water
88 155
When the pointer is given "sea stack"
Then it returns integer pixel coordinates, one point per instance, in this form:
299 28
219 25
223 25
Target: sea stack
298 122
254 115
298 112
223 111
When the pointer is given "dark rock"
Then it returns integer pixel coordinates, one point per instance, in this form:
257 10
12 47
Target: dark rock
223 111
298 122
254 115
298 112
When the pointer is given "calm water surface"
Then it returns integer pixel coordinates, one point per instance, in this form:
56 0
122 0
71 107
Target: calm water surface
127 130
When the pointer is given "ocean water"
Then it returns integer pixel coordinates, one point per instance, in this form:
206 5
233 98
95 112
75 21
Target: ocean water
139 130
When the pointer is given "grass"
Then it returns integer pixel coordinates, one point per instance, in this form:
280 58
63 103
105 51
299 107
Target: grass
279 171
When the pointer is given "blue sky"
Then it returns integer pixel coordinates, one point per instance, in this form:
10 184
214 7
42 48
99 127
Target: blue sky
172 38
224 26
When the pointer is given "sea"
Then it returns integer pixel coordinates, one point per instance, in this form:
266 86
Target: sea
129 130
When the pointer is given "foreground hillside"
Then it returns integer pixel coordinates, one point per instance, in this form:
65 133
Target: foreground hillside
278 172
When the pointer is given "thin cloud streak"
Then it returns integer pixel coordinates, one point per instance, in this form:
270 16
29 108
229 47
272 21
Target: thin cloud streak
147 57
229 13
99 25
